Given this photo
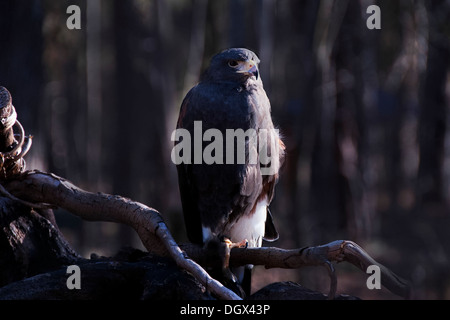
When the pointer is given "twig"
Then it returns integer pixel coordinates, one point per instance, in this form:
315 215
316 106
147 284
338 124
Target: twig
324 255
336 251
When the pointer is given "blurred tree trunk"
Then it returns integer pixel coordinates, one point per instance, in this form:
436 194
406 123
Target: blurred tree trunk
326 216
94 108
146 66
433 107
350 123
295 117
127 90
196 44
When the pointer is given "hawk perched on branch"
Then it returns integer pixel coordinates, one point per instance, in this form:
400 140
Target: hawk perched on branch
230 197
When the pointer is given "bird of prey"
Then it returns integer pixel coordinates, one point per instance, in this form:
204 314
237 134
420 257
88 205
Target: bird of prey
230 199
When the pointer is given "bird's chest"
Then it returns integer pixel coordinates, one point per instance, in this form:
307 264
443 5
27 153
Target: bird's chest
231 108
250 226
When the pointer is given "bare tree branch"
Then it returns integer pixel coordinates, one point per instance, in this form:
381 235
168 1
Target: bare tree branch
39 187
323 255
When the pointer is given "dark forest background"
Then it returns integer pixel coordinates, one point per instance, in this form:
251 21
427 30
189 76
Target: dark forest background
364 114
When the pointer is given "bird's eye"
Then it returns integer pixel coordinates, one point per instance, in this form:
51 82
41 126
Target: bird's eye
233 63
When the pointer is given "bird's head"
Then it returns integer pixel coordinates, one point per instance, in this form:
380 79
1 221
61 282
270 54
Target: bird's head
235 64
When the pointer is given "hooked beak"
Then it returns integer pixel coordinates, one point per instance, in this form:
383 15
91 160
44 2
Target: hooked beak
249 67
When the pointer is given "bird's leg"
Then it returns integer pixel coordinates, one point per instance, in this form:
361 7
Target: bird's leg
230 245
229 278
217 254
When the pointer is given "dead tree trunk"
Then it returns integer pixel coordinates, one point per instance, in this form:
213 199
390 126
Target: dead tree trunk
29 243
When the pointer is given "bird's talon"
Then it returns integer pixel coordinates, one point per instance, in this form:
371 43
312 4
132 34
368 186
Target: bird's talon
228 242
231 245
242 244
